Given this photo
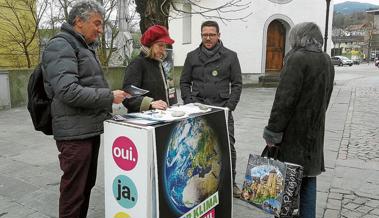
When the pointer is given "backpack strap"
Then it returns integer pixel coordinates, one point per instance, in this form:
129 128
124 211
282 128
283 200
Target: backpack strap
69 40
50 94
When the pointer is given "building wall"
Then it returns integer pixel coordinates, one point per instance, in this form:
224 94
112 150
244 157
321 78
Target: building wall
376 21
18 83
248 38
11 54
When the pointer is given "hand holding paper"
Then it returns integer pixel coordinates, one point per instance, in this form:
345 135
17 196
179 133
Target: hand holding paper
119 96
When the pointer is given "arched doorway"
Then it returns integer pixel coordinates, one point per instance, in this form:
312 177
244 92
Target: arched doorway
275 47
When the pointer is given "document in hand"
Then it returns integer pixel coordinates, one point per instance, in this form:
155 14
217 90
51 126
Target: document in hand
134 91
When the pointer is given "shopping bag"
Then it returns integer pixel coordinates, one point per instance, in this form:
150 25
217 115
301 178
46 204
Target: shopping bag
271 185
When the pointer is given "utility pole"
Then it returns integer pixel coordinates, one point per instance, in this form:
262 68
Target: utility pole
123 15
124 39
326 25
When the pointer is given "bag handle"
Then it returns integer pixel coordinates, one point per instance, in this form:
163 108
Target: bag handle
270 152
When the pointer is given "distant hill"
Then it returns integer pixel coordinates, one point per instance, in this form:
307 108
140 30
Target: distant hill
352 7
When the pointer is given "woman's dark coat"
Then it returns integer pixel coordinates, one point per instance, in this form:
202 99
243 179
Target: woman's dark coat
297 120
145 73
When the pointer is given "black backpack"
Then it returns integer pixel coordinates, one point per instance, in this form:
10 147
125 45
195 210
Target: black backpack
38 101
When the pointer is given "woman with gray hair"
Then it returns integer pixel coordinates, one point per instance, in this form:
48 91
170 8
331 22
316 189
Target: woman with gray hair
81 101
297 121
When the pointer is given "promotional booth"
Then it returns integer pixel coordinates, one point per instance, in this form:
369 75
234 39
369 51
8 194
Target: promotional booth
163 166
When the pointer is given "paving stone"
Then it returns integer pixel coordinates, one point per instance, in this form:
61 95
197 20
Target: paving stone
346 201
14 188
336 196
334 204
351 206
329 213
348 196
372 203
40 215
340 191
370 216
360 201
364 209
375 212
37 201
16 211
351 214
5 203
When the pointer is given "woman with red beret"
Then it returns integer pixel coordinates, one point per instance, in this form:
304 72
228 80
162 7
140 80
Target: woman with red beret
146 72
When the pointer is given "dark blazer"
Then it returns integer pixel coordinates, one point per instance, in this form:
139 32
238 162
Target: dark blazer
145 73
213 81
81 99
297 120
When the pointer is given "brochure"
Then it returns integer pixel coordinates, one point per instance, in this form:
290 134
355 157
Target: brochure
134 91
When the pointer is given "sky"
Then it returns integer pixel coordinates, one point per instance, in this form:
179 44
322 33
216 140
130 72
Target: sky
375 2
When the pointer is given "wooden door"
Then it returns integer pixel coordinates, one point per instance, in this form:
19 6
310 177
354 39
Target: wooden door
275 47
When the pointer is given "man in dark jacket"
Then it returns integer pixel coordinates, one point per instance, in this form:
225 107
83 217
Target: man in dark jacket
81 101
297 120
212 75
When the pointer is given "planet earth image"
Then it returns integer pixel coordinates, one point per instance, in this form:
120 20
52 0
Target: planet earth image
192 164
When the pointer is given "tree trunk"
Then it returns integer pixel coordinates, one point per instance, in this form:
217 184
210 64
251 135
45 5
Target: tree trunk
153 12
26 52
102 49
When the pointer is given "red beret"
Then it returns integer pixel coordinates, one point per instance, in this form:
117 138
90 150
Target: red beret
154 34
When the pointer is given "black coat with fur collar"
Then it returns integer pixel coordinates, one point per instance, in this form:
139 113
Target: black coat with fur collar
145 73
297 120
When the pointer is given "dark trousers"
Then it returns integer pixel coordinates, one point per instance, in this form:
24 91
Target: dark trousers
308 193
78 161
232 142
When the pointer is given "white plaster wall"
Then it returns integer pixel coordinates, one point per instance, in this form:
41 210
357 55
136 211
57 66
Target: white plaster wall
376 21
248 38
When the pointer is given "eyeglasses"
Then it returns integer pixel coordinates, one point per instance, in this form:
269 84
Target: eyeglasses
210 35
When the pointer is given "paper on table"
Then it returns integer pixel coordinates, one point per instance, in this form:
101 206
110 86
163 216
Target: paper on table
192 108
172 113
158 115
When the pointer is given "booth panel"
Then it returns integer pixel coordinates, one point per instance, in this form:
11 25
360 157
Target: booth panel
193 167
128 165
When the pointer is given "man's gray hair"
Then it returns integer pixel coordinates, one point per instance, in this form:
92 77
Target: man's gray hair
305 35
83 10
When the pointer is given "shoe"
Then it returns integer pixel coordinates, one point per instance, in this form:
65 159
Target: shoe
236 191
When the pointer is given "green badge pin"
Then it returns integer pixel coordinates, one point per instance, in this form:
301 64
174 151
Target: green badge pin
214 73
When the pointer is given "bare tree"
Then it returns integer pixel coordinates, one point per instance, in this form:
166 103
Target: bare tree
20 20
158 11
153 12
111 29
106 41
126 23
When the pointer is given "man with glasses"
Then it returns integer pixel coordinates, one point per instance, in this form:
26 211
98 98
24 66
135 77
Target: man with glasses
212 75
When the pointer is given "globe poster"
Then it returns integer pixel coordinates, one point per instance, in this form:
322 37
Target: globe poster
193 165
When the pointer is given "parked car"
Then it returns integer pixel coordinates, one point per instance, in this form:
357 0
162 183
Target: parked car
341 61
336 61
356 60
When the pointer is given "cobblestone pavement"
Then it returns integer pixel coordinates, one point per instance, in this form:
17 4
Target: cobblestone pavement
30 174
354 189
363 119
